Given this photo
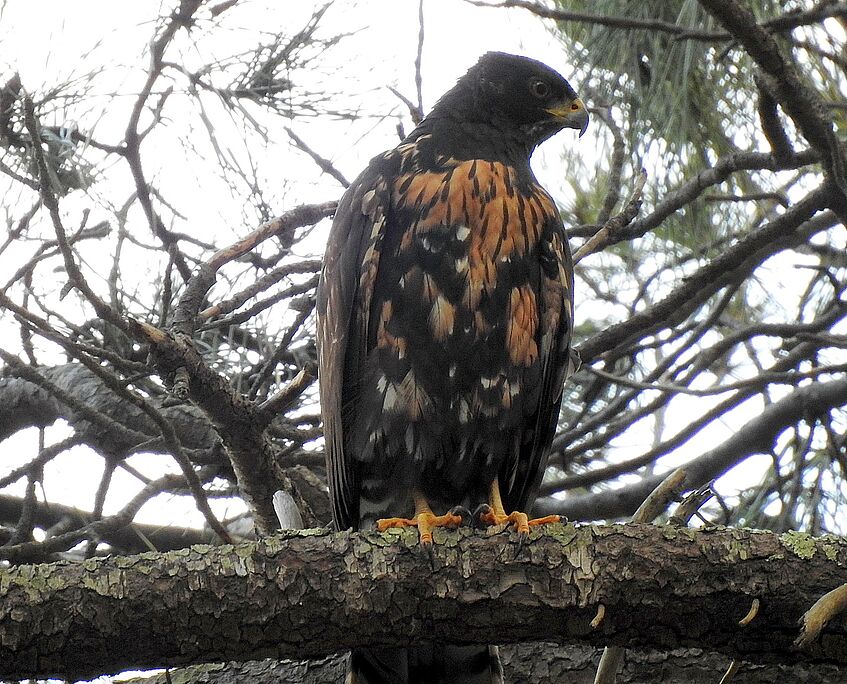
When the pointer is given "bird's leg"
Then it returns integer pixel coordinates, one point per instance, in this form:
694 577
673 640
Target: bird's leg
494 514
425 520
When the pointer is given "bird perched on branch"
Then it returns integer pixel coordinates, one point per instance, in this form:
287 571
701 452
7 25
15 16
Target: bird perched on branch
445 311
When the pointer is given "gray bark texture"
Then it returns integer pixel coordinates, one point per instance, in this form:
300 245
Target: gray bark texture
530 663
310 593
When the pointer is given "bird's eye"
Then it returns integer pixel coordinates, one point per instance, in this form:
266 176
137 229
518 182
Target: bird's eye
539 89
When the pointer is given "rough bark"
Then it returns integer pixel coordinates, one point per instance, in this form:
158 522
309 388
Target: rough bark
531 663
237 419
310 594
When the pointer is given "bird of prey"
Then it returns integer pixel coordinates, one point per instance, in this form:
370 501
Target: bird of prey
445 311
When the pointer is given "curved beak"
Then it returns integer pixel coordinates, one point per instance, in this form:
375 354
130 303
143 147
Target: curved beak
572 114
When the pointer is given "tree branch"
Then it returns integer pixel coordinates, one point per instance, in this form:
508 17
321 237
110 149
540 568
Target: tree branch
757 436
112 426
180 18
799 100
311 593
744 256
133 537
529 663
787 22
238 421
323 163
691 189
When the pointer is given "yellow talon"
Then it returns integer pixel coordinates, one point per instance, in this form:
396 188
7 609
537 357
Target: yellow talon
425 520
496 515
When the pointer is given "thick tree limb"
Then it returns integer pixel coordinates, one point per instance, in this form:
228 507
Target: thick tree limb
115 427
123 429
530 663
311 593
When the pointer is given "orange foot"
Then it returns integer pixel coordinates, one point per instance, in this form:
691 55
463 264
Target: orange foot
425 521
493 513
517 519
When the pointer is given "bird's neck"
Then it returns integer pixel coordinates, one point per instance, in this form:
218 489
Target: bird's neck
443 138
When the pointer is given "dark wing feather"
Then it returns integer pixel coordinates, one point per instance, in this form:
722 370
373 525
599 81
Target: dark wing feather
522 471
343 303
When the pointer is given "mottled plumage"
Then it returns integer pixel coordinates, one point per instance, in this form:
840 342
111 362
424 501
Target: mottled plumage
445 308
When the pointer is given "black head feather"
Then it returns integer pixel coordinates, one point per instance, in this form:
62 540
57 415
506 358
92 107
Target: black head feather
513 98
507 90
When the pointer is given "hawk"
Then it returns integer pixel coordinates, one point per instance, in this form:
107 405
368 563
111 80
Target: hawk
445 311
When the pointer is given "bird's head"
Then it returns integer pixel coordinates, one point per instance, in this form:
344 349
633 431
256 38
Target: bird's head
515 94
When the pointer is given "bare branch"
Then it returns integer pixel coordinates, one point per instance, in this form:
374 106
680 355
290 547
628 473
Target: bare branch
786 84
323 163
785 23
757 436
181 18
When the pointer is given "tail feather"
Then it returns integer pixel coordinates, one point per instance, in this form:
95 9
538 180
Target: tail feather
425 664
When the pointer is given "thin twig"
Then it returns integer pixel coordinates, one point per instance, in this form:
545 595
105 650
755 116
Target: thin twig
418 58
784 23
323 163
602 237
613 193
75 276
818 616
